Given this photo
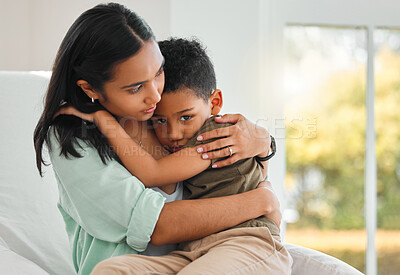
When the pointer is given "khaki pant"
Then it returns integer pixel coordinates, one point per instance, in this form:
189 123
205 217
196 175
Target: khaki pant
236 251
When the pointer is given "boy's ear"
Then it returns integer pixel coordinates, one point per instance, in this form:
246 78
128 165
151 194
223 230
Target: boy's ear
88 89
216 102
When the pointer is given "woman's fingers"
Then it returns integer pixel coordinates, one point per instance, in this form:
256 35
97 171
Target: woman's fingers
218 133
247 138
234 158
229 118
225 131
214 145
226 151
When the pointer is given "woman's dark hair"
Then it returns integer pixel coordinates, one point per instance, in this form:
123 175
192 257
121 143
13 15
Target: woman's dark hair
97 41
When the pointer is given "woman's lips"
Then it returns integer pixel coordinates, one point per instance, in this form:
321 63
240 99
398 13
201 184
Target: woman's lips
150 110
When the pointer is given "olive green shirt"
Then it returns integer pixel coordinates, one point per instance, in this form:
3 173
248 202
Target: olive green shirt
239 177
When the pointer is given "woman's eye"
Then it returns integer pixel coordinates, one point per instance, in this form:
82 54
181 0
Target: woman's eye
135 90
160 72
185 118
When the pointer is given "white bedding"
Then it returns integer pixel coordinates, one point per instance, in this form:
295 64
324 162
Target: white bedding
11 263
30 222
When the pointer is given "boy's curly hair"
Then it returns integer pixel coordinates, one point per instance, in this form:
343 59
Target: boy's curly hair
187 64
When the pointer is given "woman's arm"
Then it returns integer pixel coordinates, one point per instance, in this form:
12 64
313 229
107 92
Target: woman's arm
244 138
112 205
193 219
151 172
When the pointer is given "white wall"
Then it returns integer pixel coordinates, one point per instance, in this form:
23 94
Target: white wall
32 30
14 34
231 36
341 12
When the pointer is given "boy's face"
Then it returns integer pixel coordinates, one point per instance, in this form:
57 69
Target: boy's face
178 116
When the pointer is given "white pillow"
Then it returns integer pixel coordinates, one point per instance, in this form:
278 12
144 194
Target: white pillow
308 261
30 222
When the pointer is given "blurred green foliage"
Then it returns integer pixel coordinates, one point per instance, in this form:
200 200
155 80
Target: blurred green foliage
336 150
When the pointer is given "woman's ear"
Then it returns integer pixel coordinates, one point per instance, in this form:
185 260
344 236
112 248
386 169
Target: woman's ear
216 102
88 89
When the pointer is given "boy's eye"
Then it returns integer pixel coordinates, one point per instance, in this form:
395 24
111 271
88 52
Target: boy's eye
160 121
135 90
185 118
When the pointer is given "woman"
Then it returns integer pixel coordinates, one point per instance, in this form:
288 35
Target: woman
109 60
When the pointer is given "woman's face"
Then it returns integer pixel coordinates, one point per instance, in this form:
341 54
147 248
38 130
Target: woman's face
137 84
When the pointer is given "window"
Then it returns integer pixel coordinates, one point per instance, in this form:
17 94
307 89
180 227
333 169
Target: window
359 31
325 77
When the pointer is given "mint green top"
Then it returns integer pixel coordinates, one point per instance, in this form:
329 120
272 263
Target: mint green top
107 211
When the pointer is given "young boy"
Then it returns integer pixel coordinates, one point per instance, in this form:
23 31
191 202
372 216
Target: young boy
187 108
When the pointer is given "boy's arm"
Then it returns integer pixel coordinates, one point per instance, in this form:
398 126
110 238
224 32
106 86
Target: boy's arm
151 172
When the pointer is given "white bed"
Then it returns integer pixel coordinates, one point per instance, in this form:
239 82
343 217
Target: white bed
32 235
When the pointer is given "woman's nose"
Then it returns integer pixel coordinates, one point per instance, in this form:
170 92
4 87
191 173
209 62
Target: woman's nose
154 95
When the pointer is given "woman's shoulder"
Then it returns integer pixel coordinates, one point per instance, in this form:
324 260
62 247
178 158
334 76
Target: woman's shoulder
87 159
80 150
55 140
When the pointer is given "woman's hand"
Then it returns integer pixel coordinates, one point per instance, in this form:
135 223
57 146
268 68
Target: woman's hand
244 138
273 209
